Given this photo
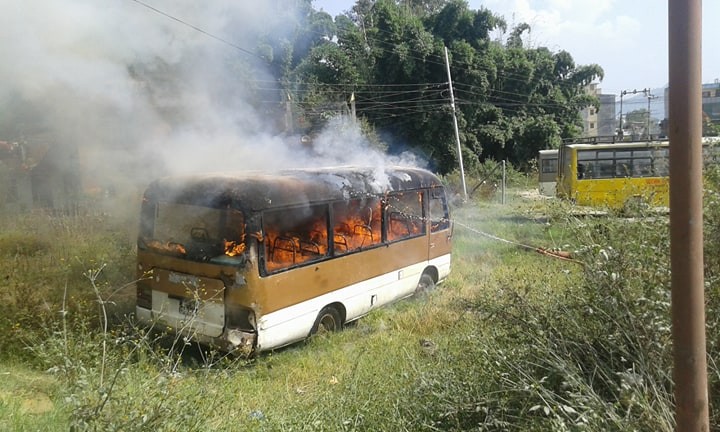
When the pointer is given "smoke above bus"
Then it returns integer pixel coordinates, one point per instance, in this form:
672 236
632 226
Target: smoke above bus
139 94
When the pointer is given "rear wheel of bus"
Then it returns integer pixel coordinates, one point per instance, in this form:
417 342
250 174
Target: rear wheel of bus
328 320
425 285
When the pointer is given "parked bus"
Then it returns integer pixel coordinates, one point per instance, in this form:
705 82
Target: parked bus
547 172
253 262
614 175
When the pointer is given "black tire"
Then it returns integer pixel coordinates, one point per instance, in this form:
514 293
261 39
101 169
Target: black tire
328 320
425 285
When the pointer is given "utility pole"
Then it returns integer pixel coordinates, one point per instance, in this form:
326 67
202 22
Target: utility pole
622 94
353 113
686 216
649 96
457 132
288 115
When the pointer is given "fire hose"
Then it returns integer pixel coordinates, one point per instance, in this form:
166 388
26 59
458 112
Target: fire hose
562 255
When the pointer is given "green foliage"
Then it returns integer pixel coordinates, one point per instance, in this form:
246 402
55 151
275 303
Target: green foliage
44 259
511 100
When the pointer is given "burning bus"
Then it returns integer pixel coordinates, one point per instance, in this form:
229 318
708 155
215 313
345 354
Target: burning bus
255 261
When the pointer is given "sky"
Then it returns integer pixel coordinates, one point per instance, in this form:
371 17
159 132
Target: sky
629 39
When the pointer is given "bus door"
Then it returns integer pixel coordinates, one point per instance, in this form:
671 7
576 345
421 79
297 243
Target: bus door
440 236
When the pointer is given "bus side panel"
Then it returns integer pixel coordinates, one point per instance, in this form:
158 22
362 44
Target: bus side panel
442 264
359 281
294 323
567 171
290 287
439 252
616 193
548 188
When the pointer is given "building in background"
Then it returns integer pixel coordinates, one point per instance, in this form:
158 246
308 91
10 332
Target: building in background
711 101
710 104
599 122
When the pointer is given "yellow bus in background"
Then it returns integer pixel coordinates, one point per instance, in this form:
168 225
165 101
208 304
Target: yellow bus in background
615 175
252 262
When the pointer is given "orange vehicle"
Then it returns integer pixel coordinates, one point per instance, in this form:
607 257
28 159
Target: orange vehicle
252 262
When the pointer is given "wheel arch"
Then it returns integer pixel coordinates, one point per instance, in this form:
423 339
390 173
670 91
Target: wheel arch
431 271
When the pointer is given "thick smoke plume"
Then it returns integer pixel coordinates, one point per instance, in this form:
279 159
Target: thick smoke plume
141 95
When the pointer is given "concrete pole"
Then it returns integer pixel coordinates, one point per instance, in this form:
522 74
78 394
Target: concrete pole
503 181
353 113
686 217
457 132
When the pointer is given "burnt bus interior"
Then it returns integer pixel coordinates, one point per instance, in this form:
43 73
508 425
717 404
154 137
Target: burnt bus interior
298 235
286 217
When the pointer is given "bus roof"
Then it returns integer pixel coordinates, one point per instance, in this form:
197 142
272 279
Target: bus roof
618 145
262 190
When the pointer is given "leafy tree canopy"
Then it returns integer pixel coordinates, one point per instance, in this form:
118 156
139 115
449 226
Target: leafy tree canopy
389 55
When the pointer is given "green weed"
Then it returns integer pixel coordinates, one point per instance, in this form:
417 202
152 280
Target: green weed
513 340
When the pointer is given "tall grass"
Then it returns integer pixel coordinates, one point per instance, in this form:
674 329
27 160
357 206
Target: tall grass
513 340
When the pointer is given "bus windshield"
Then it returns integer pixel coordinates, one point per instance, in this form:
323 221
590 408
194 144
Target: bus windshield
196 233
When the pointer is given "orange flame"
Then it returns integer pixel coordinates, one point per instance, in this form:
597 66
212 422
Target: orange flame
232 248
171 247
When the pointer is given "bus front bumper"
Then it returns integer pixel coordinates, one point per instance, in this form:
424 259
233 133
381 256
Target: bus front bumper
232 340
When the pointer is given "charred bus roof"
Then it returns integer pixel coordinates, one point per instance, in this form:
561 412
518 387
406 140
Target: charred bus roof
257 191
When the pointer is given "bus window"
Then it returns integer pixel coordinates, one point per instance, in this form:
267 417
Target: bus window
196 233
356 224
586 155
623 168
642 167
661 167
605 164
404 215
549 166
439 216
294 236
585 168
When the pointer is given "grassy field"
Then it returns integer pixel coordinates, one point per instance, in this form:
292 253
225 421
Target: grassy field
513 340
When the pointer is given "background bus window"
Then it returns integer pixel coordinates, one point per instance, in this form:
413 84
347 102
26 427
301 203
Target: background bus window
404 215
439 216
294 236
661 166
623 163
356 224
549 166
605 165
642 163
586 161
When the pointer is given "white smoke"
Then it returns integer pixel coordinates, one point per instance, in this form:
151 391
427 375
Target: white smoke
142 94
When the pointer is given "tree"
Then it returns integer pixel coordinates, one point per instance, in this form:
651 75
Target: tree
511 101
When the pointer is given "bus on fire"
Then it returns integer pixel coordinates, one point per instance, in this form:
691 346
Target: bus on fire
253 262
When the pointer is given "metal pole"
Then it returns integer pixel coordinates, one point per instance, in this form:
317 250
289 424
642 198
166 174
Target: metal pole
457 132
686 218
622 93
649 96
289 124
353 113
503 182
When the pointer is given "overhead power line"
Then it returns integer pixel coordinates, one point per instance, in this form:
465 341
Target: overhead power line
206 33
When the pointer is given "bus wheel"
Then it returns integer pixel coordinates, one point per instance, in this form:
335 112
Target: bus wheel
328 320
425 285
